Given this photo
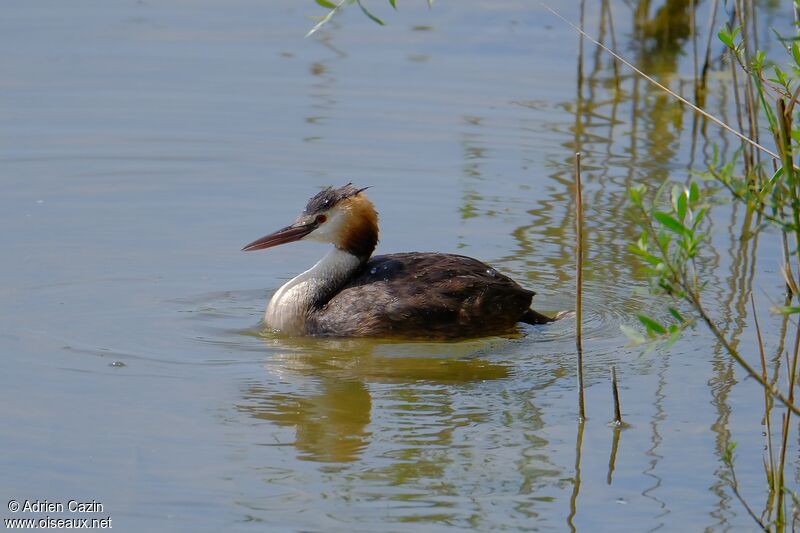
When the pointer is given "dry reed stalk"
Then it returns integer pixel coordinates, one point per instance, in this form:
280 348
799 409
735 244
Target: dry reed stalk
579 282
615 392
767 402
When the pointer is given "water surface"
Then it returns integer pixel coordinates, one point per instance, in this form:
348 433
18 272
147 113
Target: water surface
143 143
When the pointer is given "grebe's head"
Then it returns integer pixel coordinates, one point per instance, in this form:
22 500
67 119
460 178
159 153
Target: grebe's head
343 216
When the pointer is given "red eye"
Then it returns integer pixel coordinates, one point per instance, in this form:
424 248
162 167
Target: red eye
321 218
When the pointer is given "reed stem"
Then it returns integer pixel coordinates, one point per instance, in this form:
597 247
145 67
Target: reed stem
579 281
615 392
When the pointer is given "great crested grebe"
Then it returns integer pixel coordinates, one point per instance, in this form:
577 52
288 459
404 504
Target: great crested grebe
422 295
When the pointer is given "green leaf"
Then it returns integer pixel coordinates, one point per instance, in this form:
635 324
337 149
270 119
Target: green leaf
701 213
645 255
759 60
674 312
664 239
796 53
728 37
677 192
636 193
694 192
370 15
787 310
725 37
780 76
393 3
669 222
325 3
652 325
776 176
682 206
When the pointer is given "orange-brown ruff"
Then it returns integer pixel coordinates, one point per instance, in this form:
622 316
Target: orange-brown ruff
415 295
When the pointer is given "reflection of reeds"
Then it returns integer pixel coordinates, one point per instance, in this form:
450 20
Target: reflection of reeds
617 424
749 89
607 9
667 90
579 280
576 483
612 460
701 78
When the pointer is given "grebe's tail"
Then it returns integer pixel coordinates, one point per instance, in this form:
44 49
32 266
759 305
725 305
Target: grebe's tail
532 317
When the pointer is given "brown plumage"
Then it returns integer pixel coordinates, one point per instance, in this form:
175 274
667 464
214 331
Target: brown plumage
423 295
360 235
412 295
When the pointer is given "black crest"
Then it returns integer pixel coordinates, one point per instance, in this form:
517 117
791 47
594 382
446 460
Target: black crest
329 197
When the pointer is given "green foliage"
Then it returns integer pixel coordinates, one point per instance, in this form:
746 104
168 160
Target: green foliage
334 8
728 36
668 245
672 238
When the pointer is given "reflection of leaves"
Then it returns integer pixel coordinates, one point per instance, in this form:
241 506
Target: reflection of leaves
468 211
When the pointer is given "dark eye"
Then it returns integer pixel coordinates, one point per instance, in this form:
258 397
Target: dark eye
321 218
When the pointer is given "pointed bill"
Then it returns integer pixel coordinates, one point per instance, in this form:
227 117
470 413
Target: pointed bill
292 233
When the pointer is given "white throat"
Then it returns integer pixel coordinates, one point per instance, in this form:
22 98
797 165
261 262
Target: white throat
288 309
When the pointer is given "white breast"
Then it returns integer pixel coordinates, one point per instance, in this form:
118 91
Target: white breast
288 309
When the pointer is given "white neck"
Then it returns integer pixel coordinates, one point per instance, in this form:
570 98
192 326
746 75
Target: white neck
288 309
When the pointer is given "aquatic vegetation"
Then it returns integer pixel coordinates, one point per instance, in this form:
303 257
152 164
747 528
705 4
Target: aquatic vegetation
673 237
334 8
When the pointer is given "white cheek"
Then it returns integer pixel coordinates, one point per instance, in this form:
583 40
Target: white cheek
330 229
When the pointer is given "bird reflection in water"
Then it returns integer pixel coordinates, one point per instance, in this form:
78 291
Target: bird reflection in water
324 390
